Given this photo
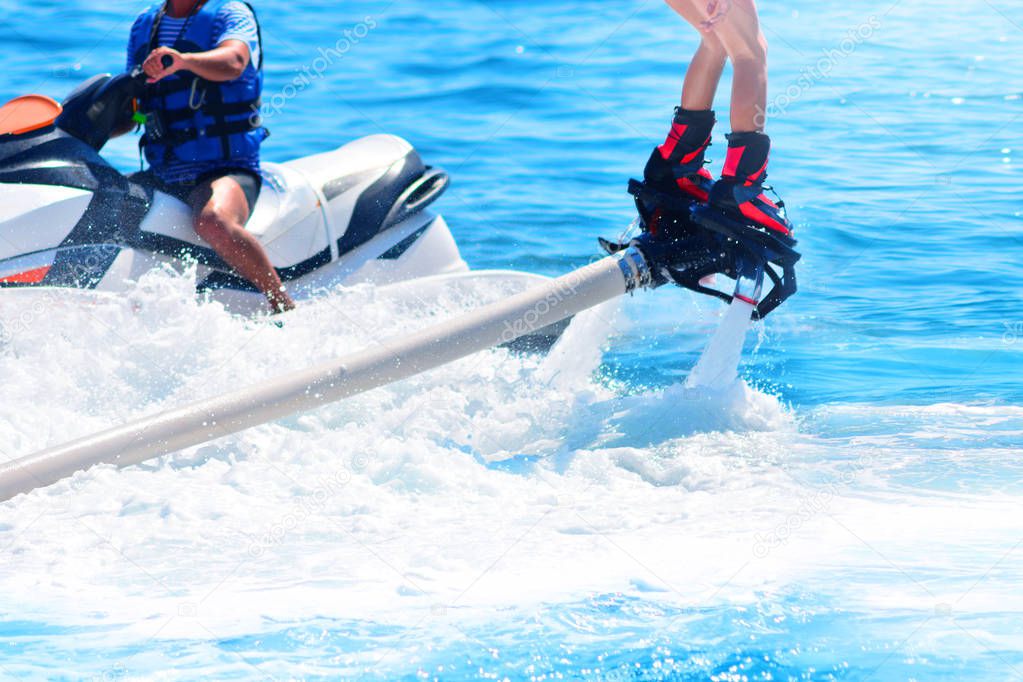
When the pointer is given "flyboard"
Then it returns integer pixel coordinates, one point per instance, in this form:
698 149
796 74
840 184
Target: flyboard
684 253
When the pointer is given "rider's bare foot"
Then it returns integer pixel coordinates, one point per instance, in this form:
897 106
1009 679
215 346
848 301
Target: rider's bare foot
280 302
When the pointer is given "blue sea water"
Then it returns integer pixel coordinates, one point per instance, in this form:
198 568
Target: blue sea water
858 516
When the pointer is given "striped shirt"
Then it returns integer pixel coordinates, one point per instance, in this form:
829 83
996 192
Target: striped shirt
235 21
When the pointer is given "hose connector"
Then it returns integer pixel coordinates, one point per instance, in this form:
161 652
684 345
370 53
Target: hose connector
635 269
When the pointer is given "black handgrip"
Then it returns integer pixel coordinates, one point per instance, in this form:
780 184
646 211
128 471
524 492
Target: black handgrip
140 77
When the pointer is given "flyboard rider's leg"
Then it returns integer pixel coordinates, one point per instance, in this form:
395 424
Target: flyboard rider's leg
693 227
738 196
674 179
677 165
679 161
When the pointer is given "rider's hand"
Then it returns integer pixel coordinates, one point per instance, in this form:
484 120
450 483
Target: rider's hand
154 68
716 11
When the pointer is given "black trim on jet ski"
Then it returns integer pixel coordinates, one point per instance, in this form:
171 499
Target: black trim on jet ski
407 187
228 280
396 251
82 267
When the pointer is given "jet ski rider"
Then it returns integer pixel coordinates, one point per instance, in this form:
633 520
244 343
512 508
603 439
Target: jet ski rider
202 129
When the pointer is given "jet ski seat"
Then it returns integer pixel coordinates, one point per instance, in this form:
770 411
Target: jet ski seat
371 184
28 113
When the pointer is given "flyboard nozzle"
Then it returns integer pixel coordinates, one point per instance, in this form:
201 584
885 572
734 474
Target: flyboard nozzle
749 283
751 253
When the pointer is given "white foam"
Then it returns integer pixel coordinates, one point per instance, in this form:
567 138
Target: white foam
498 481
718 367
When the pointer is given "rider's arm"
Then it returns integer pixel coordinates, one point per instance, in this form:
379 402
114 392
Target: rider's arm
225 62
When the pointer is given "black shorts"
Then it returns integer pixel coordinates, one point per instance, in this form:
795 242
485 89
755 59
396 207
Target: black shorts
248 180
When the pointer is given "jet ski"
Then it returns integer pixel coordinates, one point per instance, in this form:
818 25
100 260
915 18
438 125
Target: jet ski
69 219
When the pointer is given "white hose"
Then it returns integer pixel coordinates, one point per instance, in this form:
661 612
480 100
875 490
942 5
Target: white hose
392 361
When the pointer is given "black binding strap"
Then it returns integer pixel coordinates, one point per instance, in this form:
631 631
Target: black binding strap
215 107
694 240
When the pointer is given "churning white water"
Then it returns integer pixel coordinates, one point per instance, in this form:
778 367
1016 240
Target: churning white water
502 483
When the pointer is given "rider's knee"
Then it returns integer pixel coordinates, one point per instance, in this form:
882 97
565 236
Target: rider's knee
712 45
752 52
212 225
758 49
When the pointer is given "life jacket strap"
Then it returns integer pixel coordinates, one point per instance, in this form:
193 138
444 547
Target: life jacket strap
173 138
214 109
170 86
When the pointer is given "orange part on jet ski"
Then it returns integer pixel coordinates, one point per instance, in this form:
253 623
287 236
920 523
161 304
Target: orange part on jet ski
27 113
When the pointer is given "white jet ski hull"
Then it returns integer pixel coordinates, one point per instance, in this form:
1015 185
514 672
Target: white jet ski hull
355 214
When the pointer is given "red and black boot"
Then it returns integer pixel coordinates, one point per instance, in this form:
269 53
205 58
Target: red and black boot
674 179
677 165
739 194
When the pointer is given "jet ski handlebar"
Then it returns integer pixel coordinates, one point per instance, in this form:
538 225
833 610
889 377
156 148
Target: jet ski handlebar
102 105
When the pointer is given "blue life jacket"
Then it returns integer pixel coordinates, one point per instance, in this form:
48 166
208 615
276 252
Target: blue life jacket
190 118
